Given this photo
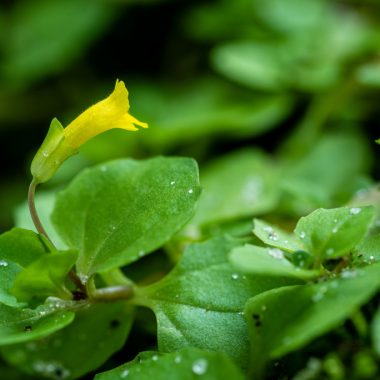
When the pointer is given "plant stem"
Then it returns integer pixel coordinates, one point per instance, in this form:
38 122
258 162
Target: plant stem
112 293
33 212
41 230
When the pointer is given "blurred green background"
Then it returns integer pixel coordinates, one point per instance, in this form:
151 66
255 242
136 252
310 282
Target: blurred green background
277 100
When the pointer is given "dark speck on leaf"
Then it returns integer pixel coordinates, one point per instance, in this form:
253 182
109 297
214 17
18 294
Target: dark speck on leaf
28 328
58 373
115 323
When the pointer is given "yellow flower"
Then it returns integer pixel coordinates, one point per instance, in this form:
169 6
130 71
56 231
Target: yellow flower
61 143
109 113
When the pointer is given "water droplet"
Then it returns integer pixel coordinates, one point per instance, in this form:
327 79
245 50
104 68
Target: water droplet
125 373
51 370
347 273
320 294
45 153
317 297
113 228
177 359
372 258
3 263
362 193
141 253
302 235
334 230
200 366
190 191
155 358
172 183
335 220
329 251
286 241
355 210
83 278
276 253
252 189
234 276
272 235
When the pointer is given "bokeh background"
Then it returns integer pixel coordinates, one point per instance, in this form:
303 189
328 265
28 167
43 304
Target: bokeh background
295 82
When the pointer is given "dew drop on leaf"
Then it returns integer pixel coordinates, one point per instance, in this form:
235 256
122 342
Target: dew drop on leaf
355 210
3 263
125 373
234 276
177 359
200 366
276 253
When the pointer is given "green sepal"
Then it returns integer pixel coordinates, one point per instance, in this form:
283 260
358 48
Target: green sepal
51 154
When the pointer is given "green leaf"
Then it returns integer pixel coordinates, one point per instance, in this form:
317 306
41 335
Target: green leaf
275 237
280 16
201 109
187 364
21 246
369 74
23 325
35 45
18 248
267 261
11 373
369 249
96 333
117 212
45 277
335 232
9 271
200 302
375 331
250 188
325 159
311 310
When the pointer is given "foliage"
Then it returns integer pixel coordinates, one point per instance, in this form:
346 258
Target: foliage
238 236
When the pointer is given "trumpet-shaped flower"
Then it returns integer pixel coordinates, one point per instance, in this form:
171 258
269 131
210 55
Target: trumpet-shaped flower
61 143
